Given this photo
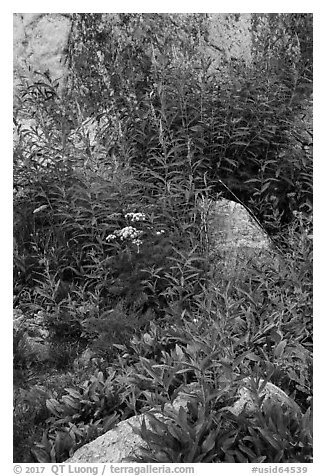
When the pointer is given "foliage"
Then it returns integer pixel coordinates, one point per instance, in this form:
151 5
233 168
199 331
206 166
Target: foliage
118 71
235 119
81 415
110 174
203 435
29 411
215 349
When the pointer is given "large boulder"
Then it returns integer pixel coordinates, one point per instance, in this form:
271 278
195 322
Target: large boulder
247 401
115 446
235 239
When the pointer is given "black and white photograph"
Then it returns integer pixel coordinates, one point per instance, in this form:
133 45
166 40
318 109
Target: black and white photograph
162 241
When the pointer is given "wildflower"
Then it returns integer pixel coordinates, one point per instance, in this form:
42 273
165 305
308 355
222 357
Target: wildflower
135 217
137 242
160 232
128 232
111 237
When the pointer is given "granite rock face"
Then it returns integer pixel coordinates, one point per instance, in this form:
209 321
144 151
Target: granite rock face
235 240
40 40
39 43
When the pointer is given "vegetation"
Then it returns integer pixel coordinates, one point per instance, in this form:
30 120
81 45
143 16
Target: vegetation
110 241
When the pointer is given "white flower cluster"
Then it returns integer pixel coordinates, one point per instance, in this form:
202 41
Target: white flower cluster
129 232
137 242
111 237
125 233
135 217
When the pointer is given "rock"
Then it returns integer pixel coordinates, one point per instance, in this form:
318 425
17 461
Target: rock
91 131
33 341
37 347
32 348
19 319
229 37
39 43
273 394
113 447
122 443
235 240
